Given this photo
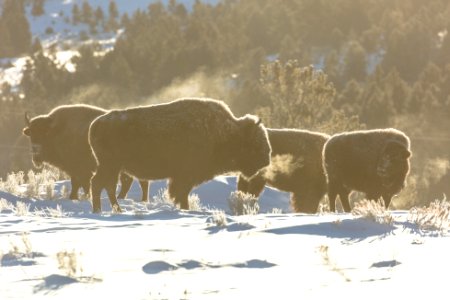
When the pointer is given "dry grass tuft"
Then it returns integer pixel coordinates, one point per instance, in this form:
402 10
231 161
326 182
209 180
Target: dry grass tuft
219 218
243 203
435 217
374 211
69 262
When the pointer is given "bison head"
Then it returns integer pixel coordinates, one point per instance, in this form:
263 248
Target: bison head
393 163
38 130
254 147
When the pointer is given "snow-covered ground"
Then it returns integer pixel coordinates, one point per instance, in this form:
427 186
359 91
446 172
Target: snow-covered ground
154 251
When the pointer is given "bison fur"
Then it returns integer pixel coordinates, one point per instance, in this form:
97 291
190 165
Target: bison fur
296 167
60 138
375 162
188 141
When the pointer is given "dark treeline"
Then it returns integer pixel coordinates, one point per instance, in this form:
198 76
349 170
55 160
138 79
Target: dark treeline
315 64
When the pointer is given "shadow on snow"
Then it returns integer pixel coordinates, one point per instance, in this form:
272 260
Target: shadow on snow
156 267
354 230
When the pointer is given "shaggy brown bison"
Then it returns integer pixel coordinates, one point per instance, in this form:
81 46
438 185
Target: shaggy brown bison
296 167
60 138
187 141
375 162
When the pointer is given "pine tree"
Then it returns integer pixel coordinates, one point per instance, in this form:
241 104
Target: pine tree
301 98
86 12
113 14
76 15
355 62
38 8
14 29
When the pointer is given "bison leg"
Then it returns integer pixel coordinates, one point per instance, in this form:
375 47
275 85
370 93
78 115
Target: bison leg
125 184
343 194
180 193
307 201
75 183
242 184
332 194
104 179
387 200
335 189
144 187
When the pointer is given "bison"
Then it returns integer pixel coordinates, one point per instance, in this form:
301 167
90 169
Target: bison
188 141
296 167
60 138
375 162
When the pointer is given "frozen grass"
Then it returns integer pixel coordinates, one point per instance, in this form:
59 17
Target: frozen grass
5 205
435 217
162 200
243 203
69 262
374 211
219 218
36 185
21 209
12 183
324 250
51 212
194 203
20 252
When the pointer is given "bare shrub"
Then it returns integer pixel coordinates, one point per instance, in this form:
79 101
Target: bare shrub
243 203
435 217
374 211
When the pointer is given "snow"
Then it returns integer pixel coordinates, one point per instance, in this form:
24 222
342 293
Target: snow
154 251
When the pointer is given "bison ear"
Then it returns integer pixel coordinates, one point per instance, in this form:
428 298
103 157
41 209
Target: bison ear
27 118
26 131
252 121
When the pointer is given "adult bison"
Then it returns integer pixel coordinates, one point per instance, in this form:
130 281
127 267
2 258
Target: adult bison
296 167
60 138
375 162
188 141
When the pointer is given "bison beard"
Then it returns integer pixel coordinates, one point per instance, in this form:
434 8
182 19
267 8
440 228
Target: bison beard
375 162
296 167
187 141
60 138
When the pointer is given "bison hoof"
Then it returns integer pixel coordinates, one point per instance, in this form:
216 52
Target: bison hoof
117 209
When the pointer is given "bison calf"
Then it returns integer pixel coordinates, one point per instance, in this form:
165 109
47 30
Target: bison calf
188 141
296 167
375 162
60 138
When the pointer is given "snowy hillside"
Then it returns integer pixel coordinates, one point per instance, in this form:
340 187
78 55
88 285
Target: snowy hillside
55 29
157 252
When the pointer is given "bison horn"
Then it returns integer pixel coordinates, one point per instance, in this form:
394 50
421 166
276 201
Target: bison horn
27 118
